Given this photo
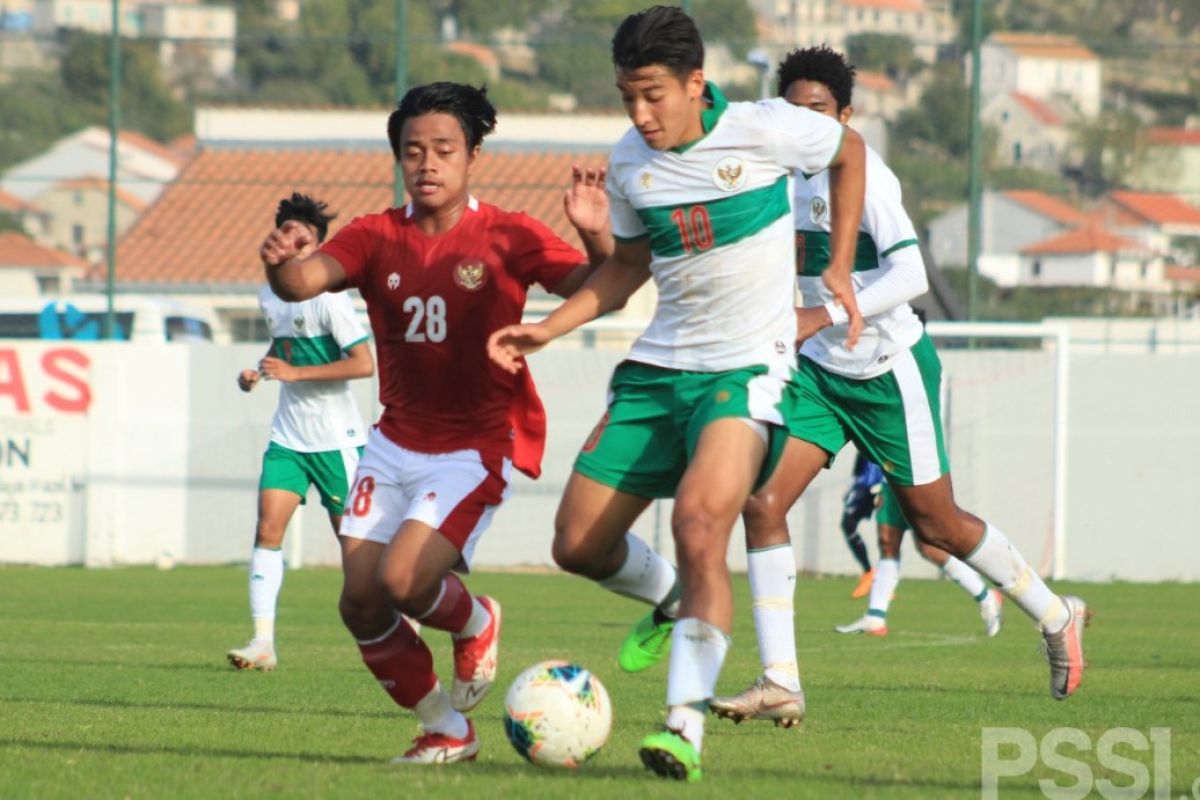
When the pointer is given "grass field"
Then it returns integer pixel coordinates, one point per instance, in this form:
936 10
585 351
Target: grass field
114 684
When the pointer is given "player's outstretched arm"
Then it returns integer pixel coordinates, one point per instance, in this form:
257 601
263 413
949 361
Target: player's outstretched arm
294 271
848 180
607 289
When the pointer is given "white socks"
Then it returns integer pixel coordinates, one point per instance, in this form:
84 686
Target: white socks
477 623
966 578
999 561
697 653
772 573
646 576
437 716
887 577
266 579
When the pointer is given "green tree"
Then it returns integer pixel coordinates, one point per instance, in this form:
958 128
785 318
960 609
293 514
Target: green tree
890 53
38 109
146 102
1112 147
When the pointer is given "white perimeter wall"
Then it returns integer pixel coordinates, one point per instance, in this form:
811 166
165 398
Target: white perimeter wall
120 453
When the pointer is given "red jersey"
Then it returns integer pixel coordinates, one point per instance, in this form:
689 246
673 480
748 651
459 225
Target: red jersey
433 302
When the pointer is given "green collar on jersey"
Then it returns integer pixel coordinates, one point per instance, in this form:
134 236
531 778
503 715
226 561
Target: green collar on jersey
709 116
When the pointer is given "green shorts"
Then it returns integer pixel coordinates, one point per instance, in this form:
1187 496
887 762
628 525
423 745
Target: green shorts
643 443
889 512
292 471
894 419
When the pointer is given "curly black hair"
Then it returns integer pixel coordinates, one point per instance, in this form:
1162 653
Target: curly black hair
662 35
819 64
303 208
470 106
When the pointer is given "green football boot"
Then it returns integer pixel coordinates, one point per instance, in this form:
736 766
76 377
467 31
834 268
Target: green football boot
646 644
670 755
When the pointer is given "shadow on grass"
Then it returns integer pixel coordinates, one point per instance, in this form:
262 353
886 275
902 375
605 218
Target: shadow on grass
191 706
591 773
207 666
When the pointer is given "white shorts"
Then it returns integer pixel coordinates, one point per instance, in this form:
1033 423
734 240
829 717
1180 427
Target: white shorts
454 493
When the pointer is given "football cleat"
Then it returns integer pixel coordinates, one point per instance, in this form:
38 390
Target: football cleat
475 662
438 748
669 755
1064 650
255 655
989 609
763 699
646 644
863 587
868 624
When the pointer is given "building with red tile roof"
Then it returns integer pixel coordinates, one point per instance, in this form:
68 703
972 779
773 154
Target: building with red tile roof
200 240
1094 257
1171 163
29 269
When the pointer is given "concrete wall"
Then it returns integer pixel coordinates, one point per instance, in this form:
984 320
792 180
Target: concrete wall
140 450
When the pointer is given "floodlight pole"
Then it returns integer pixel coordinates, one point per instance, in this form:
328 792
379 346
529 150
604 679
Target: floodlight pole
114 133
401 88
974 181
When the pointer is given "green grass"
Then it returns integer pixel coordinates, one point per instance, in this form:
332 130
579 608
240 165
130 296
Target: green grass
114 684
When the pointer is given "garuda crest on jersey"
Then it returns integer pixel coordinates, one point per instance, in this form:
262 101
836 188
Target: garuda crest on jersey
730 174
471 275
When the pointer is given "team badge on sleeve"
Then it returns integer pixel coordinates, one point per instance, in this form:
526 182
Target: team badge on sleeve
730 174
393 280
471 275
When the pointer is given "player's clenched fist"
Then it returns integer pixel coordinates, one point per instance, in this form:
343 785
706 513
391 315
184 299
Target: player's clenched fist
285 243
248 379
507 345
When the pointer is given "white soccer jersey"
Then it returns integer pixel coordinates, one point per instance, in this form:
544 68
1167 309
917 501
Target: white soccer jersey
314 416
717 215
886 236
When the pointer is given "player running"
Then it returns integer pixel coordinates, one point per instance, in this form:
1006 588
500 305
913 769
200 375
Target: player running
699 195
858 505
892 525
317 347
438 275
883 396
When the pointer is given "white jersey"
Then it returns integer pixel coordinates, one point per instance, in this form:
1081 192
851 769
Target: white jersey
885 236
717 215
314 416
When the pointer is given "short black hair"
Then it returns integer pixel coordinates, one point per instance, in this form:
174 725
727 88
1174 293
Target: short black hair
470 106
303 208
659 35
819 64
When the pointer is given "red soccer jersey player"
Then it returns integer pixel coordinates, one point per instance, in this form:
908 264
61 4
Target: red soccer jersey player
438 276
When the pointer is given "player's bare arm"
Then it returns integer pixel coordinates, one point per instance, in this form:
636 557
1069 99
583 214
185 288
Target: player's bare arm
607 289
847 185
294 270
357 363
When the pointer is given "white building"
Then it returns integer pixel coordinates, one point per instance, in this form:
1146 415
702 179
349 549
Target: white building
1044 66
806 23
202 35
144 166
1091 256
1011 220
1032 133
193 37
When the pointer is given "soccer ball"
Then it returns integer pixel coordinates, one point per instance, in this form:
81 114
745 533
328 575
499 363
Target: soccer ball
557 714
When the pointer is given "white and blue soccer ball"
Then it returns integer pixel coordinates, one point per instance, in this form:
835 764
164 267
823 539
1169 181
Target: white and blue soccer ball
557 714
